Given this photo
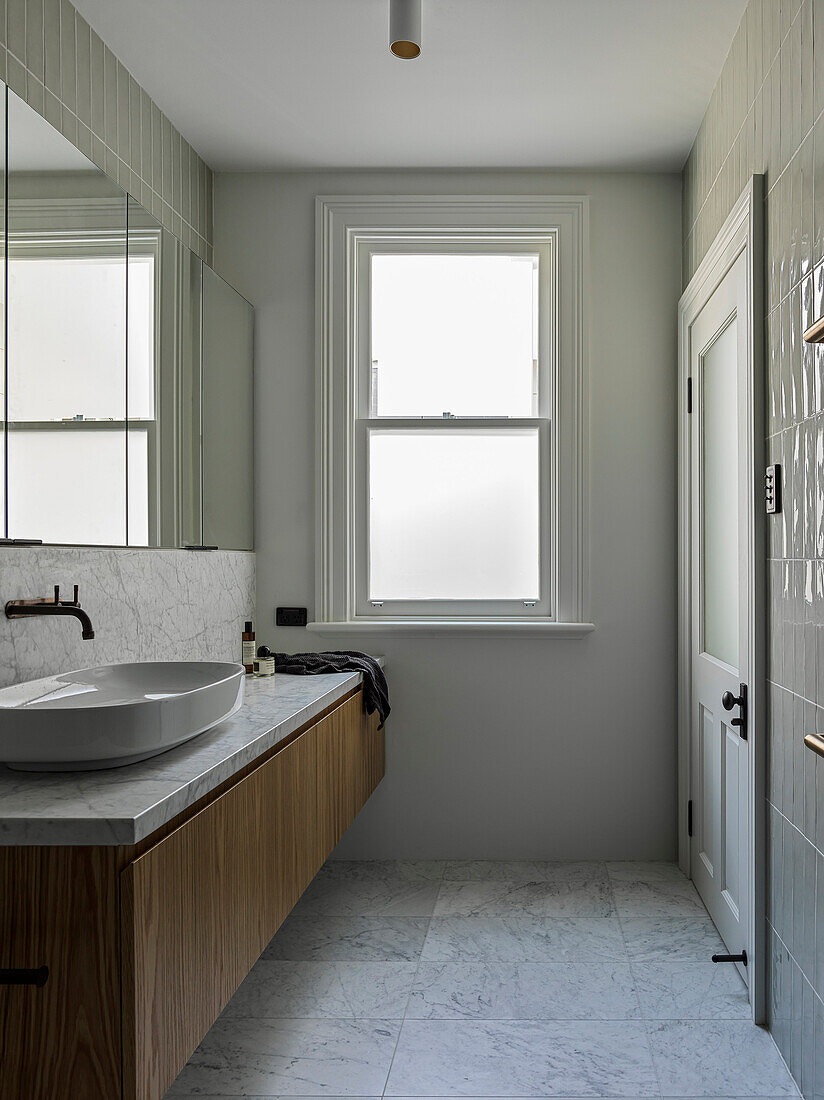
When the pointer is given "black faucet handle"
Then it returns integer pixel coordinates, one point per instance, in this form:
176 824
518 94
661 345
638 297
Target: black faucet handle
73 602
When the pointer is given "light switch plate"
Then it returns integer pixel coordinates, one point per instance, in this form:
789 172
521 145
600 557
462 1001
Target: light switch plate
290 616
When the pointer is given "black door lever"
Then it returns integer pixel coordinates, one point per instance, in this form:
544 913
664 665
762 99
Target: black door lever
728 701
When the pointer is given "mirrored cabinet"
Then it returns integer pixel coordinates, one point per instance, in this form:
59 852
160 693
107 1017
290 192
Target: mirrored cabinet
127 382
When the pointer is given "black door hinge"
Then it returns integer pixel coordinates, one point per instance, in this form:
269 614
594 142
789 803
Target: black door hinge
689 395
689 818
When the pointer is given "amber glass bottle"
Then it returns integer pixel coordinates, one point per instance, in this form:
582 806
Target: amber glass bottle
248 648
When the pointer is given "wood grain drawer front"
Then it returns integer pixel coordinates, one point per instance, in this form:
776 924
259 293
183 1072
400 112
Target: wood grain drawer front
59 908
200 906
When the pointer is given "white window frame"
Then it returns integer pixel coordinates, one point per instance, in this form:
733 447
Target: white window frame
349 230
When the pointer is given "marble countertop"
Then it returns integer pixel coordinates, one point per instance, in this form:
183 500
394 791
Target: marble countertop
124 805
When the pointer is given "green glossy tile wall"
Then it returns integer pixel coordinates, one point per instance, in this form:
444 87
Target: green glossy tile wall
51 57
766 116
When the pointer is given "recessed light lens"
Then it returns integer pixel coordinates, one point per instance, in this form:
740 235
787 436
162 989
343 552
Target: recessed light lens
406 50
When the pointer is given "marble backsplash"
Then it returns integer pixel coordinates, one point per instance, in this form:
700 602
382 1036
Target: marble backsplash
145 605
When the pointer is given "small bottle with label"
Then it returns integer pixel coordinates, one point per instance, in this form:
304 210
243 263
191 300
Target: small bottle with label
248 648
265 662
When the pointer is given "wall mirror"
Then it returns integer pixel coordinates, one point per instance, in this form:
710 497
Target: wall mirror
163 386
128 364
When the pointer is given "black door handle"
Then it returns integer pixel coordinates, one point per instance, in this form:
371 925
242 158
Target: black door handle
728 701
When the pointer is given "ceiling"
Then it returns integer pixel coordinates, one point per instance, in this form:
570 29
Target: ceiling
288 84
35 146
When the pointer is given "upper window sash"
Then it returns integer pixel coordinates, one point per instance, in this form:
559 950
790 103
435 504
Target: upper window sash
425 243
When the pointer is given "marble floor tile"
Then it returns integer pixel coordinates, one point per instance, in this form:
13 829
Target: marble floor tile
521 1058
668 937
631 871
349 939
696 989
516 979
290 1058
338 990
523 938
539 899
383 870
668 899
380 888
717 1058
525 870
523 991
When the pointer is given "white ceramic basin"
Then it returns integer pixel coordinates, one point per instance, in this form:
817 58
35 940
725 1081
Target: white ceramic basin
115 714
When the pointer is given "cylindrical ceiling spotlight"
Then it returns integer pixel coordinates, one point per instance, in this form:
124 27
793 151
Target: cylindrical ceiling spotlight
405 28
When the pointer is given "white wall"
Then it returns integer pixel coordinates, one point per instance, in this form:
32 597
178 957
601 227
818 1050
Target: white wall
498 748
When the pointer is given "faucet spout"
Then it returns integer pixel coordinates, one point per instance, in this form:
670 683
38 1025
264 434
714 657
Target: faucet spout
41 605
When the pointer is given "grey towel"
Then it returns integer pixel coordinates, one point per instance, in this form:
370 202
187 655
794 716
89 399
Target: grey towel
375 689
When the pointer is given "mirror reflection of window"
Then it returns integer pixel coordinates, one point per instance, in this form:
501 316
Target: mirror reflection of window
66 340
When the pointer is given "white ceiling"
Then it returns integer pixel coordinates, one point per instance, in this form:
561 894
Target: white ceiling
279 84
35 146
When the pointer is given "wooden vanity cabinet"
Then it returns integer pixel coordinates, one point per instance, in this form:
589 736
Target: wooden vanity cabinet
147 944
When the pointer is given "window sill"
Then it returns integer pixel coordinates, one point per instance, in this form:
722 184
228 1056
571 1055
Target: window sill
521 628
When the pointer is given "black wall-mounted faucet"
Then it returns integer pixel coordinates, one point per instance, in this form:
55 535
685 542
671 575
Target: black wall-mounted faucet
41 605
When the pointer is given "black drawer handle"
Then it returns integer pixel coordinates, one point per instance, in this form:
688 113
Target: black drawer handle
38 976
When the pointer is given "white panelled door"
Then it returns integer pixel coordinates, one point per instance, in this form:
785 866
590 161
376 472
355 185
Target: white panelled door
720 582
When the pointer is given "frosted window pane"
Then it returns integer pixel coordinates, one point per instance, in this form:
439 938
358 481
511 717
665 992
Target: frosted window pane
454 334
68 359
720 497
68 485
138 486
454 515
141 338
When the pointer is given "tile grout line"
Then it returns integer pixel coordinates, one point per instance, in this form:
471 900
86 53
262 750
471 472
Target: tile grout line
801 970
769 1031
641 1019
784 817
412 986
798 1091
